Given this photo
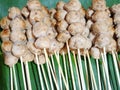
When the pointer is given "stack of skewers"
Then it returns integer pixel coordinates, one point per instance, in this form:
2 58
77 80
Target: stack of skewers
36 34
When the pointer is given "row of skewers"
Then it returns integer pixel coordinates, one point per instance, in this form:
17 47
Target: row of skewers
35 33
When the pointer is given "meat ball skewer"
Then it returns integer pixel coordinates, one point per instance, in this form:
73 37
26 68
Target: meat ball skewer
9 58
116 20
102 15
43 20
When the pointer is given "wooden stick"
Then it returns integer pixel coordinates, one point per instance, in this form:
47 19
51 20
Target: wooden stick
60 76
86 71
23 74
77 70
81 70
28 76
106 68
74 86
11 78
49 74
103 68
66 74
49 65
14 73
116 67
98 74
60 69
91 71
53 63
39 72
46 82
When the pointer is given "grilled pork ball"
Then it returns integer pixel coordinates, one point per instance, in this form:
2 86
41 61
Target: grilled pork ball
85 32
79 42
41 59
64 50
5 34
95 52
28 25
73 16
4 23
60 5
55 46
28 56
47 21
112 46
17 24
39 29
99 5
51 33
115 8
19 50
45 11
30 36
63 36
33 5
32 48
76 28
52 13
6 46
117 31
14 12
91 36
103 40
35 16
17 37
89 24
25 12
100 27
89 13
62 26
42 42
117 18
100 16
60 15
72 5
118 43
10 59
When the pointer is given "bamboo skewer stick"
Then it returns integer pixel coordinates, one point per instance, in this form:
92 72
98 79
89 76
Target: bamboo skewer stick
53 63
86 71
11 79
49 64
39 72
71 66
106 68
14 73
103 70
49 74
99 81
46 82
23 74
66 75
81 70
77 70
91 70
28 76
61 71
116 67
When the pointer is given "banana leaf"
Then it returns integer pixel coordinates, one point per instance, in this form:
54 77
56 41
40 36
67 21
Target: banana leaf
36 84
